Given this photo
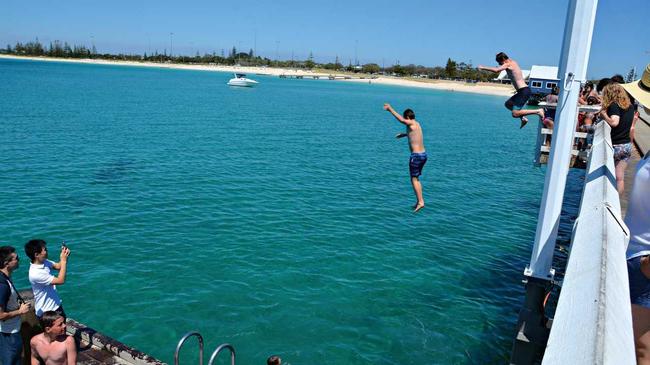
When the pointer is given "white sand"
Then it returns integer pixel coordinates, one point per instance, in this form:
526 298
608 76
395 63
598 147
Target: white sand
480 88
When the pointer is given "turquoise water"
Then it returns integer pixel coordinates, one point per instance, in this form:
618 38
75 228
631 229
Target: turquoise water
275 218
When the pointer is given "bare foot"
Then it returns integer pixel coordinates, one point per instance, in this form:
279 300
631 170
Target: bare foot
540 112
417 207
524 120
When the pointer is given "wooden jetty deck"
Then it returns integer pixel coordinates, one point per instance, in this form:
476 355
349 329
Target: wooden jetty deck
93 347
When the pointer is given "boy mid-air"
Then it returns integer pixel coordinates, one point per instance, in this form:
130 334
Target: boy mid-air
418 154
54 346
517 101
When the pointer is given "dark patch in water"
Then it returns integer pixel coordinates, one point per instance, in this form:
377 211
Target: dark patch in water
114 172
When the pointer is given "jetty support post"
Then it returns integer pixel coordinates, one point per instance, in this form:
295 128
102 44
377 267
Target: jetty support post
532 332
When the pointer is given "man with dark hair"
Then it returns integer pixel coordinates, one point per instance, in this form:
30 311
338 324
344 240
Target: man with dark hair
418 154
602 83
53 346
274 360
11 308
43 282
517 101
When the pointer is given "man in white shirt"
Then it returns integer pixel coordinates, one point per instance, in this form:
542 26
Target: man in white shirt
11 308
43 282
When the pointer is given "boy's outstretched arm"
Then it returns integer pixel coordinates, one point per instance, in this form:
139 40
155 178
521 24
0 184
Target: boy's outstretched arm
493 69
395 114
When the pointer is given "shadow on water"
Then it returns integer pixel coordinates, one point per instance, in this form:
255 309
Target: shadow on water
493 281
114 172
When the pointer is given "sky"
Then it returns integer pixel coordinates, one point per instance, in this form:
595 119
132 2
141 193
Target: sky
424 32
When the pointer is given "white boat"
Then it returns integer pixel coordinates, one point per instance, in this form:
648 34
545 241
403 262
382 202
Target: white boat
241 80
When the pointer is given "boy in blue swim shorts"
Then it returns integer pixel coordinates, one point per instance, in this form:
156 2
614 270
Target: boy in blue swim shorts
418 154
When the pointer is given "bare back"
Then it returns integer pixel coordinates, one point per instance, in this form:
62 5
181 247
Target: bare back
416 140
52 353
515 75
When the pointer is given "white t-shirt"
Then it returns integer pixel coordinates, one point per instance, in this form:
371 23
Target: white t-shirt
637 218
11 325
45 296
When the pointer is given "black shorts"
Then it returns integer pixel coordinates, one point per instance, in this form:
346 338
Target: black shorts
518 100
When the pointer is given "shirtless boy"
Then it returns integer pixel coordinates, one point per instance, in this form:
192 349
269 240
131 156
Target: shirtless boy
418 154
53 347
517 101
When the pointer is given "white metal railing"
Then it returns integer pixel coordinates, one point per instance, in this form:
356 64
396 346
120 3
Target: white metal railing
593 321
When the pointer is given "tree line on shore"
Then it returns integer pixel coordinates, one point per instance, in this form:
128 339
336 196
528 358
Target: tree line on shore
58 49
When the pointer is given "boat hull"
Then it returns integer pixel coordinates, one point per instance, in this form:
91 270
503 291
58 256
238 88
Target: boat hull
242 82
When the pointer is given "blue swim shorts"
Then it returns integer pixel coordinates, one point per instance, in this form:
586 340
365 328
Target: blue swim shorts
416 163
639 284
519 100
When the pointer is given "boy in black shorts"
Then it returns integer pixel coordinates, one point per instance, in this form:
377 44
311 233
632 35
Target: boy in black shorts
517 101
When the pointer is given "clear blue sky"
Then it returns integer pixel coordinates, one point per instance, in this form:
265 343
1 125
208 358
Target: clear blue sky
411 31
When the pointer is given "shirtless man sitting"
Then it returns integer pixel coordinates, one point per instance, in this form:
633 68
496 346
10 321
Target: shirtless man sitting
517 101
53 347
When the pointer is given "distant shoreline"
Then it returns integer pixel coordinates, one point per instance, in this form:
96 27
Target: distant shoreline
446 85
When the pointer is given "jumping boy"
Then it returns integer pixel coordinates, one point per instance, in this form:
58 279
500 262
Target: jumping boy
54 346
418 154
517 101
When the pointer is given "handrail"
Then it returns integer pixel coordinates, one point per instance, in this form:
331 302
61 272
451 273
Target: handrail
593 321
182 341
218 350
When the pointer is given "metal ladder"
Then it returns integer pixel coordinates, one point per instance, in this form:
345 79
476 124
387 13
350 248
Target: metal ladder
216 352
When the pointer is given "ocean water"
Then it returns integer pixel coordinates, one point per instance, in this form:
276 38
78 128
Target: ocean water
275 218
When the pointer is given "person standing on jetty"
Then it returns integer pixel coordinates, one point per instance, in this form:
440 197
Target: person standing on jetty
11 308
517 101
637 220
418 154
43 282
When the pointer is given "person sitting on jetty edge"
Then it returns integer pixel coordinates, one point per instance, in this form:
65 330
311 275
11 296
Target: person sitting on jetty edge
53 346
11 308
418 154
43 282
517 101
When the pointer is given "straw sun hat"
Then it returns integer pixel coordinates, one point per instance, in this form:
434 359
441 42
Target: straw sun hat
640 89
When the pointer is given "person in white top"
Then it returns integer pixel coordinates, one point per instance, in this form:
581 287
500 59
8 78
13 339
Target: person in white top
637 220
11 308
43 282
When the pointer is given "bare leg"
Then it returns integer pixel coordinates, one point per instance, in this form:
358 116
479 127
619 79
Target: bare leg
523 113
620 176
417 189
641 326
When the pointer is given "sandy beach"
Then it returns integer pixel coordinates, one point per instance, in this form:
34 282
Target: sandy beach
456 86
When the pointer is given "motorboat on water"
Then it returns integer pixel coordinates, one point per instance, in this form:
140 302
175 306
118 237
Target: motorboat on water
241 80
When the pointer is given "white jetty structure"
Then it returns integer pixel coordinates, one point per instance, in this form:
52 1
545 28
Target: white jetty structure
592 322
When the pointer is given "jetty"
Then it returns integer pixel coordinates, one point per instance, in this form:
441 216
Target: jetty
591 322
325 77
93 347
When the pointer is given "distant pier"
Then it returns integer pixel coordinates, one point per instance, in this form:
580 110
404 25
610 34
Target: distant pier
325 77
